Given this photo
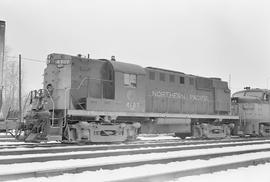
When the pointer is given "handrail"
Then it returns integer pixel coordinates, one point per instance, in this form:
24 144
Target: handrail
50 99
68 89
52 106
80 85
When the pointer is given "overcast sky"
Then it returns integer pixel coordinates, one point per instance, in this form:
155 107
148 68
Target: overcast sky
213 38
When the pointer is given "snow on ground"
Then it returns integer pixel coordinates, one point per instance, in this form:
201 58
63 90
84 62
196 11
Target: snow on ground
26 167
10 143
157 137
255 173
245 174
16 142
249 174
4 134
23 147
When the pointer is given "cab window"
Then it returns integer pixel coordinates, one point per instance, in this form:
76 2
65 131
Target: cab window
182 80
266 97
130 80
162 77
152 75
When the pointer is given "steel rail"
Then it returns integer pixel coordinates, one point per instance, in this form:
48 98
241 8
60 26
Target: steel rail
111 166
11 140
117 153
83 143
196 171
32 145
51 145
127 146
6 136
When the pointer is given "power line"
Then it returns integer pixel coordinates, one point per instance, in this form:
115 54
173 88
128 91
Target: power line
28 59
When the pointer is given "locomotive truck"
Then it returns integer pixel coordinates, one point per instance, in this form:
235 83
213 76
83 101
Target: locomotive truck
100 100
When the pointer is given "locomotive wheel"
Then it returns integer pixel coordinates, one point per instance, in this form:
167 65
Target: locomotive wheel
227 131
264 130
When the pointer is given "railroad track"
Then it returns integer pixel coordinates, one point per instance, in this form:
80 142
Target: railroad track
93 152
30 145
26 148
116 165
163 177
3 135
21 144
135 161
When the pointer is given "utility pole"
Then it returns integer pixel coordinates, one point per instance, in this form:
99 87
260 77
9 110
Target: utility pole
230 81
267 79
20 87
2 57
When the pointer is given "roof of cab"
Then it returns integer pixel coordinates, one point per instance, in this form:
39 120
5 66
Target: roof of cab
117 66
253 90
127 68
165 70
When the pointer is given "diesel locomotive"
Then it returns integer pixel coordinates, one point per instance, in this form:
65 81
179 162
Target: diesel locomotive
253 108
100 100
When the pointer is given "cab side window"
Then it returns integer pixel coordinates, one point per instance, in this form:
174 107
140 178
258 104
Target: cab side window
182 80
130 80
152 75
266 97
162 77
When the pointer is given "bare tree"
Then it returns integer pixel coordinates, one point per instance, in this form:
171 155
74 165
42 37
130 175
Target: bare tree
10 98
11 84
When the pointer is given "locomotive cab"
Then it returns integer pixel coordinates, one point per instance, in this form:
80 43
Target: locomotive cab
127 88
253 108
80 98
